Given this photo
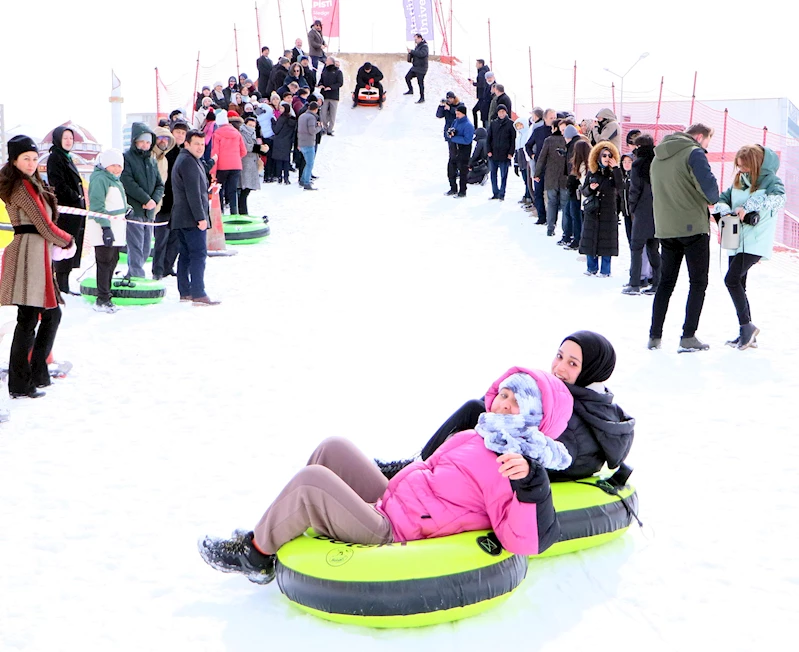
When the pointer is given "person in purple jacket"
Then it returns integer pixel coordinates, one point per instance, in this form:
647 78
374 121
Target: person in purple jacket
493 476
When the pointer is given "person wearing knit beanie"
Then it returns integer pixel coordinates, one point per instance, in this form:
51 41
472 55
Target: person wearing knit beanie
111 157
20 144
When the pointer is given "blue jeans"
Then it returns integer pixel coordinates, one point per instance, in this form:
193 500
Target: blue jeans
556 200
526 185
229 193
308 153
493 166
191 264
593 264
538 199
572 220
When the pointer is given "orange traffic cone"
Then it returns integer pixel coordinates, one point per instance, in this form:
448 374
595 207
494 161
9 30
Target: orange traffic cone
216 234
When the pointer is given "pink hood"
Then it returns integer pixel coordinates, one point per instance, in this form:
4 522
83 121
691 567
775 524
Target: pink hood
459 487
556 399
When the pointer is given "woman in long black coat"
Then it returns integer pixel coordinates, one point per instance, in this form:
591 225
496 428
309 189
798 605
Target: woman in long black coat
600 235
643 231
285 128
64 178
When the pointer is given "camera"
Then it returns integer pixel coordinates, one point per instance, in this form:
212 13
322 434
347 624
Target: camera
752 218
451 132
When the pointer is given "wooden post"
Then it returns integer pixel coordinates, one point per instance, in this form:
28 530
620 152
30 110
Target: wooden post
236 44
282 35
490 54
196 79
657 117
258 26
530 60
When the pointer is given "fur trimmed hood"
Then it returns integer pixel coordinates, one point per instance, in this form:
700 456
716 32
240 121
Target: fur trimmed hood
596 150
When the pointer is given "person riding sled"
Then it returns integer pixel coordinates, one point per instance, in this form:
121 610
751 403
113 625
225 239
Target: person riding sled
493 476
368 76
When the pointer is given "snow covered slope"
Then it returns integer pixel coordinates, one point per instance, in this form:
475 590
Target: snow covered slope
376 308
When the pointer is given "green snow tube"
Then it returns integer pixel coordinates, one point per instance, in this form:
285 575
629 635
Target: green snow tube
135 292
244 229
123 255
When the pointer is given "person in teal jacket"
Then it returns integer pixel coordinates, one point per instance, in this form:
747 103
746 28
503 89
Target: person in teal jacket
765 196
107 196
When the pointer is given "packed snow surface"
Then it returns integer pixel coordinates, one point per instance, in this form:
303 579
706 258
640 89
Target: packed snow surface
375 309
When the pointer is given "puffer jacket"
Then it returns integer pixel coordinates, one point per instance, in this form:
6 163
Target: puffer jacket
229 146
607 128
107 196
140 175
458 488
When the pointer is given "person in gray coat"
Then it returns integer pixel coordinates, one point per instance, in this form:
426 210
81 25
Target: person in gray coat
250 179
190 216
315 43
307 128
418 60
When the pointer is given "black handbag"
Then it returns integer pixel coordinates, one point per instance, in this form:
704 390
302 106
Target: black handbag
591 204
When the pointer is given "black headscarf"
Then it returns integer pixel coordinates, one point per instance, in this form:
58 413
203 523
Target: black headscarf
599 357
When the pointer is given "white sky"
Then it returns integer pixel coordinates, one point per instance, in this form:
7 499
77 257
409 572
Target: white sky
57 57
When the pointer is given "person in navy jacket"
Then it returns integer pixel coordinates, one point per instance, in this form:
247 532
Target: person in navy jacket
460 135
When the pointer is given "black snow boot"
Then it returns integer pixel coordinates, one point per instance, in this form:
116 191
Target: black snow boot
238 555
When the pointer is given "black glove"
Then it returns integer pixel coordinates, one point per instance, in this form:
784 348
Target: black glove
516 170
108 236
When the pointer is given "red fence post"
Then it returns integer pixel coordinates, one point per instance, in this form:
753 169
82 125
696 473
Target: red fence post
723 147
258 26
693 99
490 55
765 135
613 93
451 51
157 94
657 117
574 89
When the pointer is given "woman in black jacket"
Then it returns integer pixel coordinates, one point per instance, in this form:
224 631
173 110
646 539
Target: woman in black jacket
285 128
600 235
64 178
599 431
643 231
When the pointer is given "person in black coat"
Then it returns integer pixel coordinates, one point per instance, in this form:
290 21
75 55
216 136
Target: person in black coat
418 60
65 179
167 246
483 91
278 76
285 128
189 218
600 235
308 73
368 75
599 432
478 163
330 82
265 66
500 147
501 98
643 228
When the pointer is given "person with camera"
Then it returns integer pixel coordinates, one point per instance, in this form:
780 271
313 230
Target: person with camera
418 60
446 110
683 188
500 142
460 139
755 196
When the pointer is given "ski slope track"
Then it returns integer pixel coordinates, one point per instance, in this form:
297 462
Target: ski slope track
374 310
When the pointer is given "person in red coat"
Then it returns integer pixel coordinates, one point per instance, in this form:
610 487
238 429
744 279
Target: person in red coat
227 150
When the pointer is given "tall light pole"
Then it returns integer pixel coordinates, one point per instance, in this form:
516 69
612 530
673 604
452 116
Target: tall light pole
621 100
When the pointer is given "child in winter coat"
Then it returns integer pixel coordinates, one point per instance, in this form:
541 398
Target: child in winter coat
107 196
600 235
490 477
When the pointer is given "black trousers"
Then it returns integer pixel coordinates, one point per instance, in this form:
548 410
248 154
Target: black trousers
243 194
740 264
25 376
696 251
106 259
458 165
166 248
419 78
464 418
652 246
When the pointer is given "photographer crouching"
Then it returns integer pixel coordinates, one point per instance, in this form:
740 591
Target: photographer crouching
460 136
755 197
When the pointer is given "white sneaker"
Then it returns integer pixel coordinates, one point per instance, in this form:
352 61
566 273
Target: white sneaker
109 307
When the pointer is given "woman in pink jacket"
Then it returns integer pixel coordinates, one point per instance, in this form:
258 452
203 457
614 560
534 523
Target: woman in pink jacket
492 477
227 150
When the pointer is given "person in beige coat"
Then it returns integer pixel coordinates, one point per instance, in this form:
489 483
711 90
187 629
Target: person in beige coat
27 280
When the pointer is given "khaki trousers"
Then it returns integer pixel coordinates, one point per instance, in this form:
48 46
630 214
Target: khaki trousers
334 494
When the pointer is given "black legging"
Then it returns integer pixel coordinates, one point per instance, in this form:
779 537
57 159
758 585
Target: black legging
419 78
24 376
243 193
736 284
464 418
652 246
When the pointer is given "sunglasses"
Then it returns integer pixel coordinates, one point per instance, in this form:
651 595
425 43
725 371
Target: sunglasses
607 156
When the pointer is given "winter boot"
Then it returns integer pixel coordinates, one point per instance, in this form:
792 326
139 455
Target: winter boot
238 555
106 306
390 469
631 289
747 337
450 192
691 345
654 343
